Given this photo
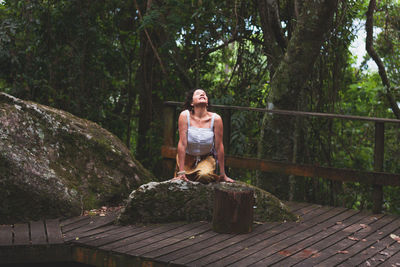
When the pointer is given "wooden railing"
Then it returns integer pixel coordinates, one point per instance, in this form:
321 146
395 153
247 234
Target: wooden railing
377 178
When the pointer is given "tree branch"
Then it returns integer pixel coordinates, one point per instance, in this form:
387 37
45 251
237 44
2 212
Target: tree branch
275 42
148 37
371 51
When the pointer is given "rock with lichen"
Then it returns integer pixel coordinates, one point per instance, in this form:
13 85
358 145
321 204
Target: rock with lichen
177 200
54 164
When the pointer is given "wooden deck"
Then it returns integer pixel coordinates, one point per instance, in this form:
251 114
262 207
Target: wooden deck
32 242
325 236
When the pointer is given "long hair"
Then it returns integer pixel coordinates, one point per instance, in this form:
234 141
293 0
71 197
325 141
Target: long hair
189 99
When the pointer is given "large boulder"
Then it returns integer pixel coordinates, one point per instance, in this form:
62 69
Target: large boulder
177 200
53 164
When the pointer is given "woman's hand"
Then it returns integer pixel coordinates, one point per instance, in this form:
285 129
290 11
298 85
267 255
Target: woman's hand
225 178
181 177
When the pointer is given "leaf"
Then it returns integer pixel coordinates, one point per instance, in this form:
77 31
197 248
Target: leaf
395 237
363 225
343 252
384 253
353 238
192 237
285 253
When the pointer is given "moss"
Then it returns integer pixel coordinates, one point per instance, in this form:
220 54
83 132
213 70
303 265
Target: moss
90 201
77 157
4 167
180 201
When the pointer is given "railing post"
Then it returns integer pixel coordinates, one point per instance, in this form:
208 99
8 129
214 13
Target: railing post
378 165
168 165
226 119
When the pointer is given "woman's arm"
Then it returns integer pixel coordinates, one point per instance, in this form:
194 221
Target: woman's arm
219 146
182 144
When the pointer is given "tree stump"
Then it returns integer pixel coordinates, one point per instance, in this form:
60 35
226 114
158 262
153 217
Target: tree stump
233 210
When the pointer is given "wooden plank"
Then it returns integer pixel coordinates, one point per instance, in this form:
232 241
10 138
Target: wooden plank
234 243
94 257
200 244
131 248
340 241
53 230
294 206
358 245
6 235
94 223
382 256
83 220
378 250
217 242
38 233
308 212
21 234
304 249
335 174
259 249
394 260
122 242
185 242
299 242
89 235
35 256
113 235
191 258
193 230
281 233
72 220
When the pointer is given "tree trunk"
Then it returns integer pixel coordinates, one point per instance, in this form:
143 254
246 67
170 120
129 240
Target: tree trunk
149 80
295 68
145 79
303 49
233 210
291 70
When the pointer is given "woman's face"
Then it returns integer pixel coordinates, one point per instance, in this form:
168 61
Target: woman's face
199 97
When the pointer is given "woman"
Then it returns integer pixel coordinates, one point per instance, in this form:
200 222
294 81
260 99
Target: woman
200 136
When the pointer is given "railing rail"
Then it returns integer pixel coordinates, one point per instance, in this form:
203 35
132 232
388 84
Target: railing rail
377 178
295 113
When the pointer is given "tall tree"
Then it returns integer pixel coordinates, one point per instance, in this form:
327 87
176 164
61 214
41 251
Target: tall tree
292 53
374 55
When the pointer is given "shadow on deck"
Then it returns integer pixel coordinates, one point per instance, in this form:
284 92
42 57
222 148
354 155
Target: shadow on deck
325 236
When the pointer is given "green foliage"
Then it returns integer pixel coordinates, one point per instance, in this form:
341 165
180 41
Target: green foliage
95 60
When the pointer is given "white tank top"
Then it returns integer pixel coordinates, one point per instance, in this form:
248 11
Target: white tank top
200 140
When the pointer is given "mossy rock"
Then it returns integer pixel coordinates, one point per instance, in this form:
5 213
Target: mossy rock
54 164
176 200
